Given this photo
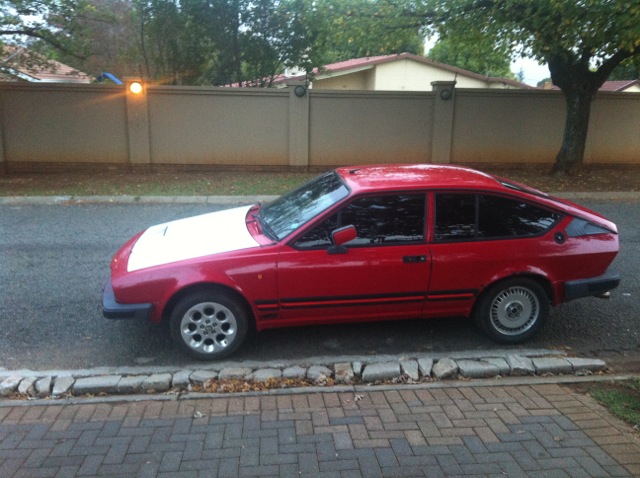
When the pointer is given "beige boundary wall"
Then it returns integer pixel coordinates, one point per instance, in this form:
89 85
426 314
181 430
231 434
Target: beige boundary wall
64 127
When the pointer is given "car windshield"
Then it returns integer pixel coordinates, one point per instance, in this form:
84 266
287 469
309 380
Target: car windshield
289 212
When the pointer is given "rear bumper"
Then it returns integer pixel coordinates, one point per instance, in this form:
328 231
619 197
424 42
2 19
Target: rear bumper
593 286
111 309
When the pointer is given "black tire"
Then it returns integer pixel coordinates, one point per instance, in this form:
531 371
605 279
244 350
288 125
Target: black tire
512 311
209 325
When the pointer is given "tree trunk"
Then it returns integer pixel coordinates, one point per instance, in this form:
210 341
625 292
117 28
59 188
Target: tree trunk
571 154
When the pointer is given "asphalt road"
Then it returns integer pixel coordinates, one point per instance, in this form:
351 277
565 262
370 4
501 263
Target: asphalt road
54 260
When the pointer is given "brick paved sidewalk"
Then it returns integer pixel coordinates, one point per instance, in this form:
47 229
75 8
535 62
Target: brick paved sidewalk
501 431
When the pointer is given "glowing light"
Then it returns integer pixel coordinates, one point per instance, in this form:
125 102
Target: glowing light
135 87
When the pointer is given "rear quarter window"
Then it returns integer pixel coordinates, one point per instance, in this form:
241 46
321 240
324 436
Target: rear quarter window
504 217
465 217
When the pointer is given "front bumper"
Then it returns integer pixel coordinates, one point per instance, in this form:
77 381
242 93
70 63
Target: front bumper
111 309
592 286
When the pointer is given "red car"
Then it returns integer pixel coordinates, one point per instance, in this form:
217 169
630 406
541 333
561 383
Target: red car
362 244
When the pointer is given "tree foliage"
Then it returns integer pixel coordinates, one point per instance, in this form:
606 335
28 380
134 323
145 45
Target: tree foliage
627 70
37 22
474 52
582 42
347 29
215 42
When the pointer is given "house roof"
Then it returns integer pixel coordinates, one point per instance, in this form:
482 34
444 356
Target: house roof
48 72
613 85
358 64
618 85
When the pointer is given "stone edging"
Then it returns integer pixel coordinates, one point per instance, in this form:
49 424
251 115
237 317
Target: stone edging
52 384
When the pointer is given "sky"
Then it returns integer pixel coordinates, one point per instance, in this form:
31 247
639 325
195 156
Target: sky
533 72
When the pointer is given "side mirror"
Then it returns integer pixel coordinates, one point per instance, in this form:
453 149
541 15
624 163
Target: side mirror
340 237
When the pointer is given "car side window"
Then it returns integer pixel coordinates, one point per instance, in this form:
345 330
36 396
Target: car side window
503 217
455 217
379 220
467 217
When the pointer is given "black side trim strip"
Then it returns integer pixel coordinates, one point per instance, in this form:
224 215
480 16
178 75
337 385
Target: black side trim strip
360 300
445 295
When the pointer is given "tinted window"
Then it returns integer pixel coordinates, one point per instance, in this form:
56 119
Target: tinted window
319 236
378 220
455 217
468 216
502 217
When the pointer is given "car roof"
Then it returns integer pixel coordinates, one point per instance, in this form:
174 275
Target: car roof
415 176
398 177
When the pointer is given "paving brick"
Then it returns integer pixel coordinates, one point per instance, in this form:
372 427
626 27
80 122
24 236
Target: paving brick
342 441
316 438
520 431
333 466
259 471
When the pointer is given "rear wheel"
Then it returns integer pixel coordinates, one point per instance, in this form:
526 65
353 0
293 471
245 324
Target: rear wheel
209 325
512 311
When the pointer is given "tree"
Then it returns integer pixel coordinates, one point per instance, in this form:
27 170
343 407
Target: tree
347 29
217 42
37 22
110 43
473 52
250 41
627 70
168 50
582 41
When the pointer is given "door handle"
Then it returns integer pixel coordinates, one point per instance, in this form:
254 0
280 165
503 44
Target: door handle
414 259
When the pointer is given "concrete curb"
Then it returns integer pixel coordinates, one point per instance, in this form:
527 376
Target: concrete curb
228 200
173 396
336 372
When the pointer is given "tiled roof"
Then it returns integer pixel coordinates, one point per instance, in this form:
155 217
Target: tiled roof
613 85
53 72
618 85
357 63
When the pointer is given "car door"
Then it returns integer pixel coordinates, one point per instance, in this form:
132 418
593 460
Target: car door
383 273
481 238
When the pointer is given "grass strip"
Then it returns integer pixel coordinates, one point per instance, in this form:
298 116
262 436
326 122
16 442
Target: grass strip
623 400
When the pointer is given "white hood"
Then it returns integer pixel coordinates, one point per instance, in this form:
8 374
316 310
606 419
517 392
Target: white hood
197 236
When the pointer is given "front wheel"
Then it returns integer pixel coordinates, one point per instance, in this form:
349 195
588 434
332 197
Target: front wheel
209 325
512 311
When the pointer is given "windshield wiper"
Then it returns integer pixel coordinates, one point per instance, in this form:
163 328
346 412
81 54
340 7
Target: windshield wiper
264 225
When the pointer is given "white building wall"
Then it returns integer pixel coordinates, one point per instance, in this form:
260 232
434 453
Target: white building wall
409 75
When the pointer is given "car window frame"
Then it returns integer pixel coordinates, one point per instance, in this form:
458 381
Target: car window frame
285 237
351 199
477 193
